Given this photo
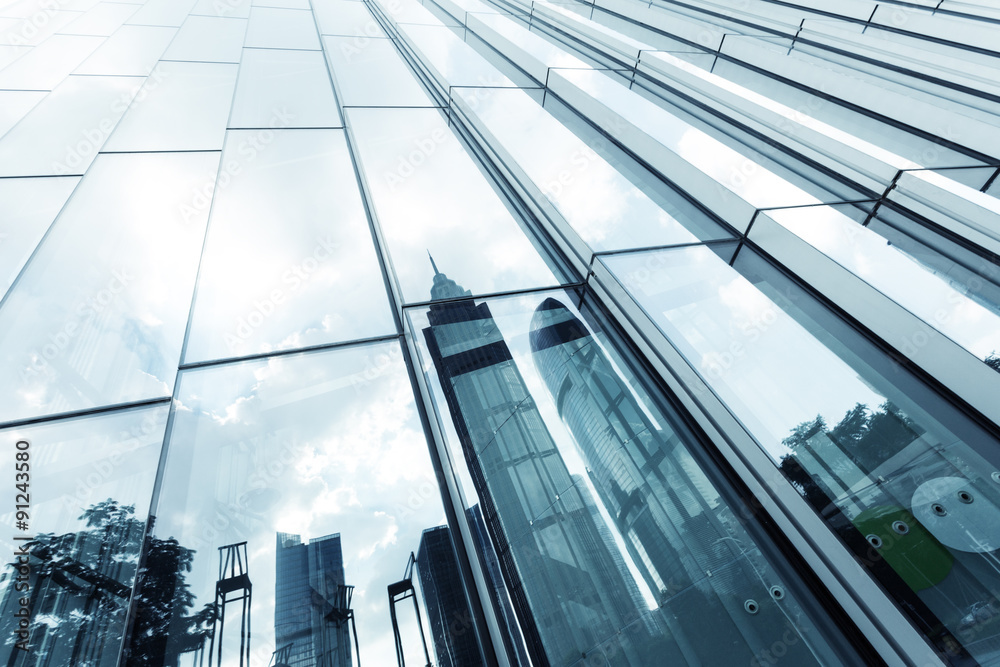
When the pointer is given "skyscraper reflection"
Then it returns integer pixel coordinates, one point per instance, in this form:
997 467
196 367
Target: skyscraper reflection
312 614
569 592
448 613
680 534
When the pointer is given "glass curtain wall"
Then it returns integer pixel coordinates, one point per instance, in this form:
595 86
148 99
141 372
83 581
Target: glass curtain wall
385 331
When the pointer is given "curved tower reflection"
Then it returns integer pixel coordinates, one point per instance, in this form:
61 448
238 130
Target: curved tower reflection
571 596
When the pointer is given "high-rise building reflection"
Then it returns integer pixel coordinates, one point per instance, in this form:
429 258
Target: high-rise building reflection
569 592
676 528
448 614
313 618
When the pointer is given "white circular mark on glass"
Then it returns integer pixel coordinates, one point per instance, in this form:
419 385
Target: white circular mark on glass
959 515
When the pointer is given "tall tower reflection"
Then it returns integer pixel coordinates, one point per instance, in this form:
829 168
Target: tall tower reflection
678 531
313 618
448 614
569 593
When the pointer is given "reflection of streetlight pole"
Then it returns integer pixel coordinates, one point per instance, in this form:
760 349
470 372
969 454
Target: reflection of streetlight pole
342 613
398 592
234 577
281 656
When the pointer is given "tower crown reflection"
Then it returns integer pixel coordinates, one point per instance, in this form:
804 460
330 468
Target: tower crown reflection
570 589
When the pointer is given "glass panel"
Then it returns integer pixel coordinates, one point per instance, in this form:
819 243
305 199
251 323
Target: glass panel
347 18
617 536
905 478
103 19
453 62
15 105
282 29
318 481
88 483
371 73
312 279
163 12
47 65
511 38
64 132
9 54
294 84
604 208
181 107
288 4
230 8
27 208
411 157
413 11
939 298
716 173
24 30
132 50
98 315
208 39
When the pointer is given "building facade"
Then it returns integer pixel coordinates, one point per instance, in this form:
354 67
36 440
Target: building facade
712 378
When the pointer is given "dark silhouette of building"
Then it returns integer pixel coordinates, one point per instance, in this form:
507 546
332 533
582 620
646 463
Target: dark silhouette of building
569 594
449 616
312 602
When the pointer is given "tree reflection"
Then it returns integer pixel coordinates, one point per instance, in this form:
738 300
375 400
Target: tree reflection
867 437
162 630
80 584
79 587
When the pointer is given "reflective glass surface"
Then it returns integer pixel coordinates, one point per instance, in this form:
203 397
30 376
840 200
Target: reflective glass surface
940 299
908 481
98 315
104 18
312 279
48 64
615 541
182 106
29 206
208 39
62 134
282 29
304 481
133 50
371 73
602 206
20 29
230 8
72 554
293 86
453 61
410 157
162 12
347 18
15 104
